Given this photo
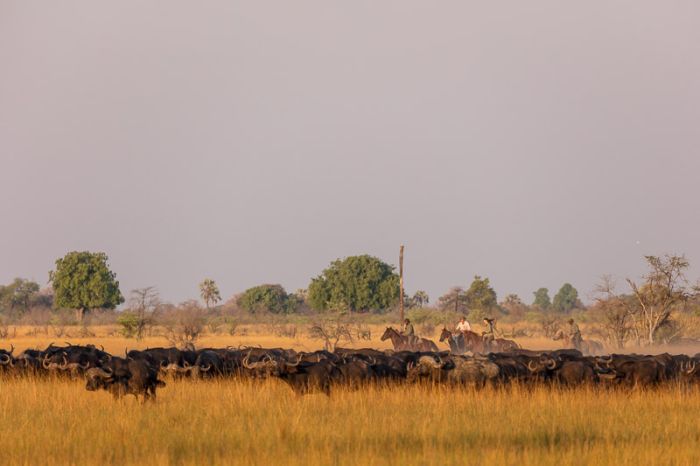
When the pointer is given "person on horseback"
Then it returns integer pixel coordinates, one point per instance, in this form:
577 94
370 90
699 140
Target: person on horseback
463 326
408 332
490 334
575 334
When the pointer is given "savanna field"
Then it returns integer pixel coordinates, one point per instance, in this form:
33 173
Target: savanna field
56 421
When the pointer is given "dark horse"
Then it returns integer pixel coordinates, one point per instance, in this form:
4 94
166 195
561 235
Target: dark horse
471 341
401 342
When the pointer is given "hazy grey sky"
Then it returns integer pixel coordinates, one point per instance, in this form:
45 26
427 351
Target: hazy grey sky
533 142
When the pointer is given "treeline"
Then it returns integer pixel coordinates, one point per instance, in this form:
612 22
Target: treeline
361 285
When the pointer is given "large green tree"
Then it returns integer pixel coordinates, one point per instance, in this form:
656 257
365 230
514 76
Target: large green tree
83 281
542 299
481 295
356 283
272 298
566 298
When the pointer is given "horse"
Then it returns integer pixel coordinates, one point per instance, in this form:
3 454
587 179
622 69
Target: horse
456 342
471 341
401 342
587 347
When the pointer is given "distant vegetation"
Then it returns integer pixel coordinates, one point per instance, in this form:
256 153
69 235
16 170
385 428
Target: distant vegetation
660 308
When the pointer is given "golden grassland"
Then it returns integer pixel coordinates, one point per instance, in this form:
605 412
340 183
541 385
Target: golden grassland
234 422
243 422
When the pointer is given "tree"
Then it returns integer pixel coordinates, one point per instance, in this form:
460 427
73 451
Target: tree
83 281
140 315
18 294
664 289
542 300
566 298
481 295
271 298
209 292
420 299
357 283
650 305
514 306
454 300
614 312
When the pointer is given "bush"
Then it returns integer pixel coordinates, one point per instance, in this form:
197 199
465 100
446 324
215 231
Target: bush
129 323
271 298
432 316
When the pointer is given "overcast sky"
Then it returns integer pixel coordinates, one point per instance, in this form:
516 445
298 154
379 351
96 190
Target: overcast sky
533 142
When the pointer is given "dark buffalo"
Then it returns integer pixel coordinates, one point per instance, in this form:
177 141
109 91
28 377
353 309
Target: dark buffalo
123 377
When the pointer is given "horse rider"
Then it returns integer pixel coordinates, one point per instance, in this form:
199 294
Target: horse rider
463 326
460 329
575 334
490 334
408 332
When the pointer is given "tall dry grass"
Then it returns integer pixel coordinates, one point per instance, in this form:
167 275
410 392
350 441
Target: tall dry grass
233 422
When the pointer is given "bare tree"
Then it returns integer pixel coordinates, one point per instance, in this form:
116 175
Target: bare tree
617 313
184 325
331 332
664 289
140 316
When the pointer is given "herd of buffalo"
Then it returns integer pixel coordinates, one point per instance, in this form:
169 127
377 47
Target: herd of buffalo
139 372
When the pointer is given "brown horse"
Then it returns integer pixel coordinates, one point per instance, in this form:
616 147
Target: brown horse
472 341
401 342
456 342
587 347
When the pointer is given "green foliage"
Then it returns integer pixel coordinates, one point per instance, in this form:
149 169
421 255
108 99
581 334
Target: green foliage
566 299
481 295
18 295
357 283
436 317
130 324
542 299
454 300
419 299
272 298
83 281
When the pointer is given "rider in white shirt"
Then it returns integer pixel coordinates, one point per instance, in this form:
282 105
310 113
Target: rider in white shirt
463 325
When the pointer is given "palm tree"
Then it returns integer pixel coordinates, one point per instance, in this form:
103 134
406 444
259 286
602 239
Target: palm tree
209 292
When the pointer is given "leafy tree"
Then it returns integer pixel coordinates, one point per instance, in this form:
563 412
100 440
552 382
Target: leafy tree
481 295
454 300
420 299
209 292
542 300
272 298
566 298
18 294
83 281
357 283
